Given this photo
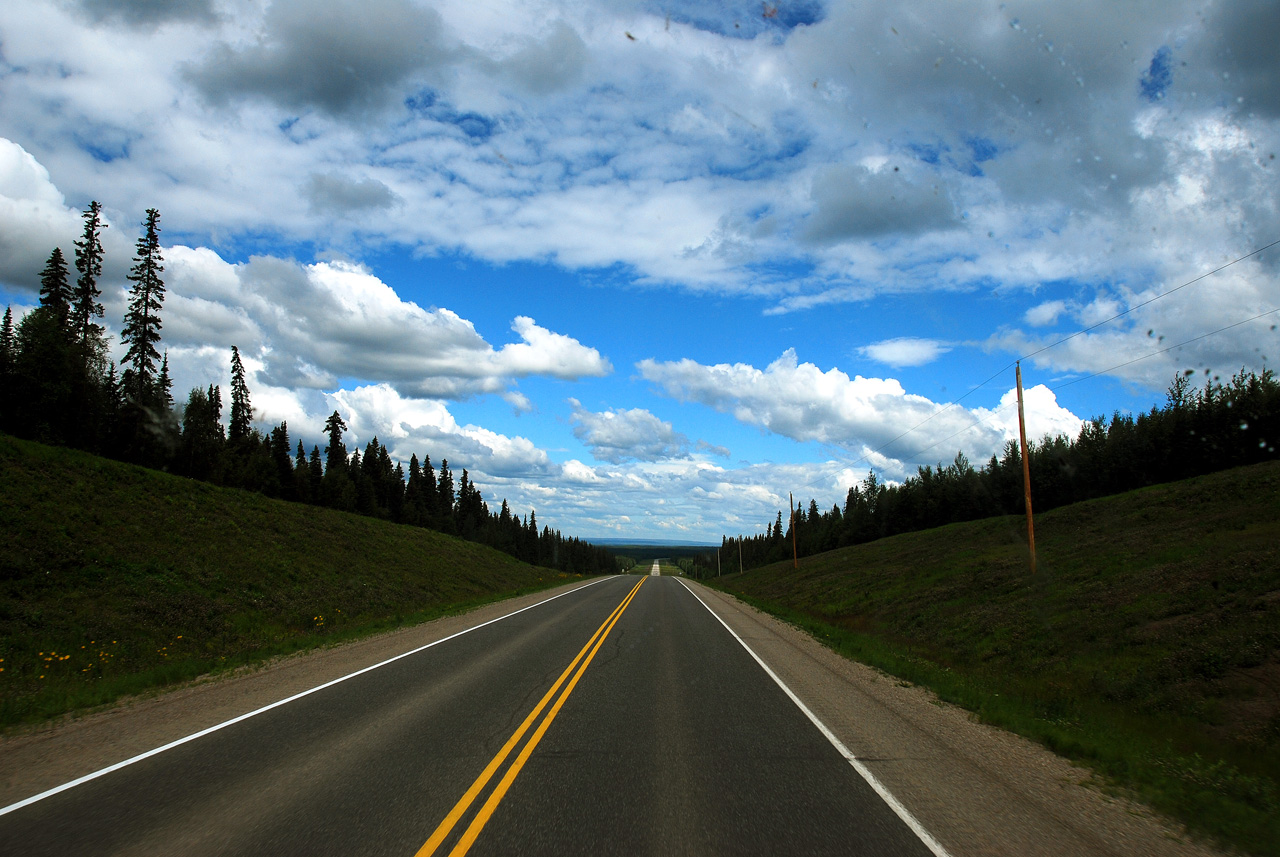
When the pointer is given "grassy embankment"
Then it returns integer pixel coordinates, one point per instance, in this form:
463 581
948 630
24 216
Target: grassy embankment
116 579
1147 646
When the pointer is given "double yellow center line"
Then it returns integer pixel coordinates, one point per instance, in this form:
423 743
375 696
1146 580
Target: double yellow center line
580 664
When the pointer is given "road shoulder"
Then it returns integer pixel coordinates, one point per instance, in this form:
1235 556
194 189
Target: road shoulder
977 789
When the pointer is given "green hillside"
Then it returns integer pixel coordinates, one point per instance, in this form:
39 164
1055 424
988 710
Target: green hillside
1147 645
115 579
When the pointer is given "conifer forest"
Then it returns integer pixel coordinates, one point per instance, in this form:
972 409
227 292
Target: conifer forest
58 386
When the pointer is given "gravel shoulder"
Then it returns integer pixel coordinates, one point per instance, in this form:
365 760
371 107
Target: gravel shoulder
977 789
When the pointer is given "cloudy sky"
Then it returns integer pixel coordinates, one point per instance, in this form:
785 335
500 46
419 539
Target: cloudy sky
648 266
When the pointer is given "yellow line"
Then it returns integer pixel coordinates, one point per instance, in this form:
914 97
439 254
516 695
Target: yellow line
461 807
486 811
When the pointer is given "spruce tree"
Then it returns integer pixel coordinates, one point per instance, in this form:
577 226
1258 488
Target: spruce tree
112 401
84 305
141 331
336 451
241 410
164 386
460 505
55 288
7 393
427 502
315 474
202 436
395 496
215 404
445 499
6 346
43 377
41 390
278 449
301 476
428 480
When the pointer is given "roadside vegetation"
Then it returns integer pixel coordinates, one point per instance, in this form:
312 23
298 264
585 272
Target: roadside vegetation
116 579
1199 430
1146 646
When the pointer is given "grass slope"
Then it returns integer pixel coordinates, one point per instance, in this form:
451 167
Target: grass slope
115 579
1146 646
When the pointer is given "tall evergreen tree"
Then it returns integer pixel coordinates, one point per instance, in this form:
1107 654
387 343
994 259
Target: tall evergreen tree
164 386
445 499
8 397
41 389
460 507
55 288
414 505
215 402
141 329
429 483
241 410
92 401
7 355
84 306
301 476
315 474
336 451
109 415
144 427
278 444
202 436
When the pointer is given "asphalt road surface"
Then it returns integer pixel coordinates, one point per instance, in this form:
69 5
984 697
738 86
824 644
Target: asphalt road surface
620 718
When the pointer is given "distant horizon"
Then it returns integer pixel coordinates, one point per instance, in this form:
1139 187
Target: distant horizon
675 543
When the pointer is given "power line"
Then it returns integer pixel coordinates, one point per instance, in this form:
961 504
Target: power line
1006 368
1165 350
1150 301
865 457
1000 410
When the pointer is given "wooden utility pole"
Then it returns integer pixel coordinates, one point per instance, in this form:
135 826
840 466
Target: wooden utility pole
1026 471
739 554
717 562
795 557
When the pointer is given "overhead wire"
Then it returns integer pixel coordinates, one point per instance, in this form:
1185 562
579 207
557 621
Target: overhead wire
1166 350
1004 408
1151 300
866 456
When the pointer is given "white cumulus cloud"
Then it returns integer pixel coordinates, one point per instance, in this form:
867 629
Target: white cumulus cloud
312 325
868 416
905 351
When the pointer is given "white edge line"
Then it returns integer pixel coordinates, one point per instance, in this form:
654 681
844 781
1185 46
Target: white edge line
138 758
902 812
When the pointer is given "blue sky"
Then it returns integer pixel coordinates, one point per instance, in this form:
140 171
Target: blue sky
647 267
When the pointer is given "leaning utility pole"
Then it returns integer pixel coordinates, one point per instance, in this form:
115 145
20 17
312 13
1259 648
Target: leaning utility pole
1026 471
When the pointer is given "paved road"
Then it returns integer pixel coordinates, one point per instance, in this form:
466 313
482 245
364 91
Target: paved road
649 731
